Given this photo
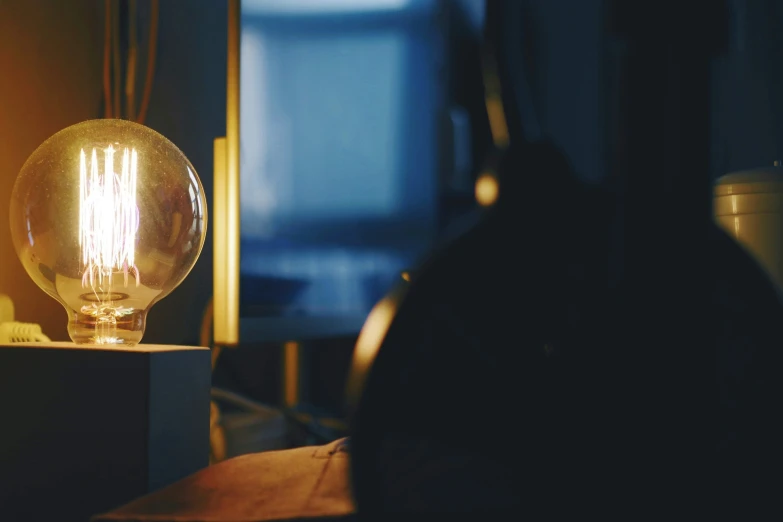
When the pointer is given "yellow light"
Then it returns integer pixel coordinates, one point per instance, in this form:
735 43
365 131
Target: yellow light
373 332
108 217
368 343
497 121
370 340
486 189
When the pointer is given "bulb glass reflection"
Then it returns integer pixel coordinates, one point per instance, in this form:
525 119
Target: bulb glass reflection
108 217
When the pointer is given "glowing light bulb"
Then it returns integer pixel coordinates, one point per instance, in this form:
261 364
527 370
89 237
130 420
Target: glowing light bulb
108 217
486 189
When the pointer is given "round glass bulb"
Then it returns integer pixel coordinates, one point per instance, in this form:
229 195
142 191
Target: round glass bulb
108 217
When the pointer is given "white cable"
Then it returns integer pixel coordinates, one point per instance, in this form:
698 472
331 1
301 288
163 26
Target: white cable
6 309
16 332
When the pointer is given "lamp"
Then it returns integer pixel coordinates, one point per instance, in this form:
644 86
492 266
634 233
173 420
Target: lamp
748 205
108 217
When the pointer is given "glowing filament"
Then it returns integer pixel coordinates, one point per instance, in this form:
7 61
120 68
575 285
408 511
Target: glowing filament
108 217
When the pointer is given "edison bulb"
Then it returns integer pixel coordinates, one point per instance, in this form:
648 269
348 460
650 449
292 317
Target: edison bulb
108 217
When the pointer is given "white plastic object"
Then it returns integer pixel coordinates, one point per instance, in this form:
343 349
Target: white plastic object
15 332
6 309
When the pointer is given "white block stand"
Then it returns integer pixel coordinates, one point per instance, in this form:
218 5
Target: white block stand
87 429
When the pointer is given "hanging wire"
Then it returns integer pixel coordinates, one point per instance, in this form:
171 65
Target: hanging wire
130 67
112 62
151 56
116 59
107 107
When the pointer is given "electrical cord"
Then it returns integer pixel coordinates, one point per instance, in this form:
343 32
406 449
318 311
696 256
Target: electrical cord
112 62
6 309
116 59
316 425
130 70
12 331
107 109
16 332
323 429
152 51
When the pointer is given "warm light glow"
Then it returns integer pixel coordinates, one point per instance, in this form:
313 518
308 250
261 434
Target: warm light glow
373 333
370 340
291 368
486 189
108 219
494 104
497 121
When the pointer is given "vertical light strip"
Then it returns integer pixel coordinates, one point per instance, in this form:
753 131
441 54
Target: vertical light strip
220 276
493 100
291 374
226 280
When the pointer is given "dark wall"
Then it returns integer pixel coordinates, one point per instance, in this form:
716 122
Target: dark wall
748 93
50 78
572 80
568 39
188 106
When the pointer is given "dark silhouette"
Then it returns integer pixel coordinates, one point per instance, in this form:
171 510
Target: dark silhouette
564 357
